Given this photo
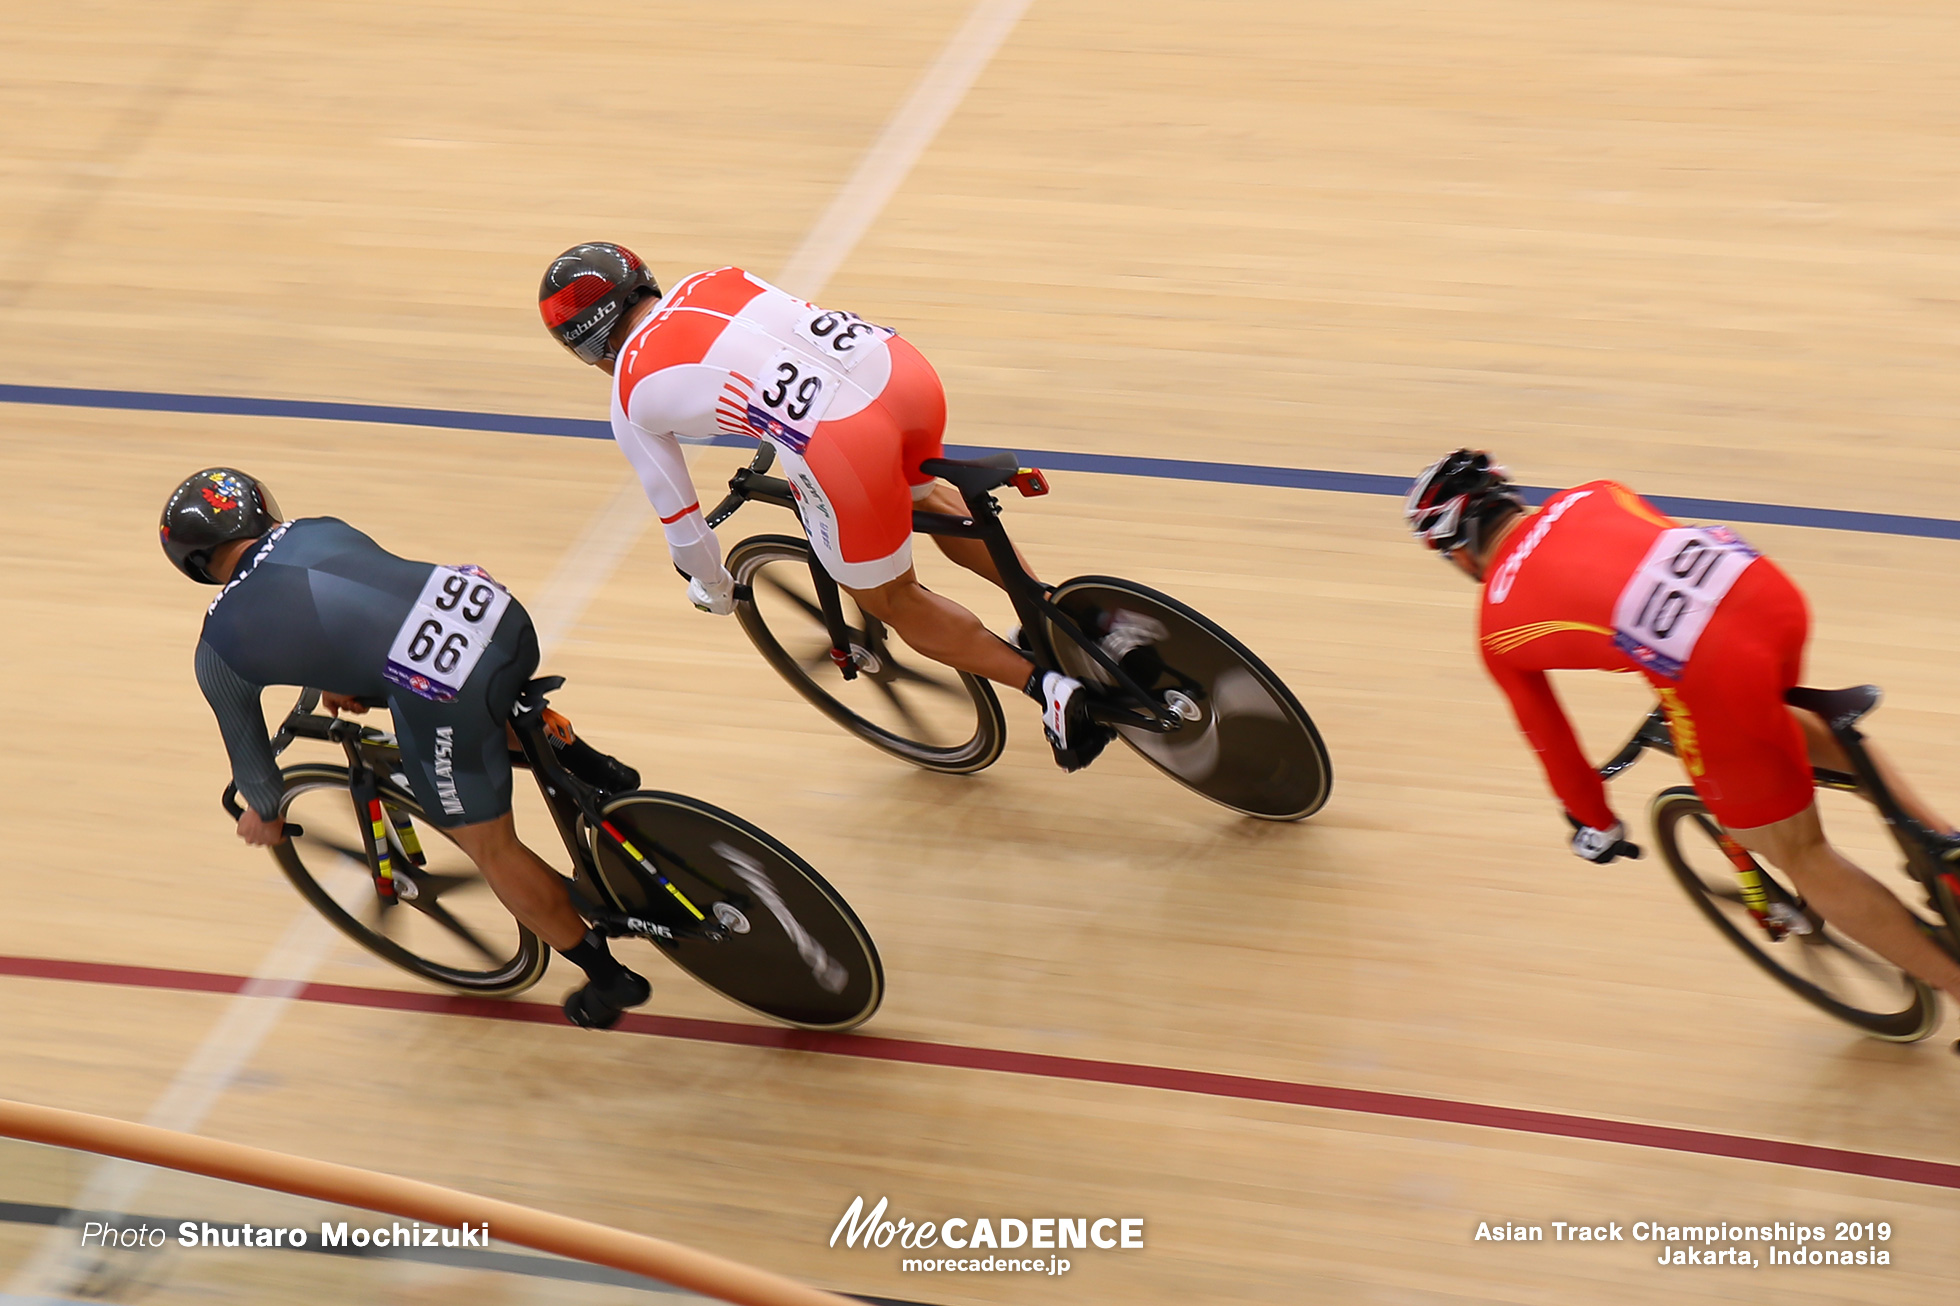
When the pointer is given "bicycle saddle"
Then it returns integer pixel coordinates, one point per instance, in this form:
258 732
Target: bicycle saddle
535 690
1839 707
974 475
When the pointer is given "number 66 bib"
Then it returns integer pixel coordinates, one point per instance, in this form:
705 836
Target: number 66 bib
445 633
1663 610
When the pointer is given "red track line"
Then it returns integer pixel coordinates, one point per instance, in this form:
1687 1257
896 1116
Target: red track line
1364 1101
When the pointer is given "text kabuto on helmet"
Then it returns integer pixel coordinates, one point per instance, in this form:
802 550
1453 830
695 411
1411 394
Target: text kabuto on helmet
585 293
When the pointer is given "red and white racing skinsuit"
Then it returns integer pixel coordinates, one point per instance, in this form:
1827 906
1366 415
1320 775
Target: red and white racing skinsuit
1599 579
851 409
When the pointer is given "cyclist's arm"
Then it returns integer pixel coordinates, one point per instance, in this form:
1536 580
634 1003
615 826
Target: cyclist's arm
241 720
662 468
1543 721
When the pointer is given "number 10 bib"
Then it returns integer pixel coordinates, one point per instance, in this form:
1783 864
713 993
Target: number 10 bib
445 633
1667 604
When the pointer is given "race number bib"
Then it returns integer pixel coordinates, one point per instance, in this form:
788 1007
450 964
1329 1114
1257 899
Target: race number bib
1665 607
841 338
446 632
790 398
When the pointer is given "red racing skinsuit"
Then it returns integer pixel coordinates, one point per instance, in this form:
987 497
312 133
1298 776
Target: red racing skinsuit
852 409
1599 579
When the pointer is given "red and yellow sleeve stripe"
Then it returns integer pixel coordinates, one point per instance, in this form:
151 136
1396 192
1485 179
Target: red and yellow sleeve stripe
1516 637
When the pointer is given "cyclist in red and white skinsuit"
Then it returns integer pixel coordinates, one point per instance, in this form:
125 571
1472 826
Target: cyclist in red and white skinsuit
1598 579
852 410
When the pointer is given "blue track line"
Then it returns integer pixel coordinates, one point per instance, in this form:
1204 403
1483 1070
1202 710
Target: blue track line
1176 469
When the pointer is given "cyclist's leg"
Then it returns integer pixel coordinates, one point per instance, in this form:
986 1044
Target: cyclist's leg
1825 751
522 880
457 760
916 402
943 630
1748 760
856 507
1849 898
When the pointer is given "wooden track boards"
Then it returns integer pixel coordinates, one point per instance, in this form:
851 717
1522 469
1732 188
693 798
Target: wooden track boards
1704 251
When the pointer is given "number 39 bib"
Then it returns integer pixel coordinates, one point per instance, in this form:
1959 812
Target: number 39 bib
790 397
1663 610
445 633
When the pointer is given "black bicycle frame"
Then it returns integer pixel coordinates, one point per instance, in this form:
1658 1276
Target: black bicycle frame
569 799
1135 706
1915 840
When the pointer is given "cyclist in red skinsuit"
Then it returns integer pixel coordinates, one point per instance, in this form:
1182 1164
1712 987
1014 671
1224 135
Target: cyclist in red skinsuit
1598 579
852 410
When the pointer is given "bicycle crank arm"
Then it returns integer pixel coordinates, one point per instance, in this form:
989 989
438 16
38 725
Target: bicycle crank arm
1116 714
622 925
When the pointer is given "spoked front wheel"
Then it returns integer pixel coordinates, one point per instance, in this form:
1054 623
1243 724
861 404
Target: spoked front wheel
445 925
1246 742
791 948
1812 958
899 701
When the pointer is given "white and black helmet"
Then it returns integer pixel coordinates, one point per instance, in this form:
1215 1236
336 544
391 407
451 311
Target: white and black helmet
1453 498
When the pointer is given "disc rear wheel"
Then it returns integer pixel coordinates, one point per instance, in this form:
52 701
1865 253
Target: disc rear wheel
792 949
1246 743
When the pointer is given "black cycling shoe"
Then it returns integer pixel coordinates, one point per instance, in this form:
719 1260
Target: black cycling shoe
1076 739
599 1006
600 770
1079 755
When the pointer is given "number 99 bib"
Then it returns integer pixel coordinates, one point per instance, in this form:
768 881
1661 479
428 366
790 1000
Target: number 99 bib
445 633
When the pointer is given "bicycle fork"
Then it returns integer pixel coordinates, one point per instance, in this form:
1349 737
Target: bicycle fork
375 828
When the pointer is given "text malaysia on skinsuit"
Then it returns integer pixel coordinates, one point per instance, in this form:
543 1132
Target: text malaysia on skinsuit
314 602
851 409
1599 579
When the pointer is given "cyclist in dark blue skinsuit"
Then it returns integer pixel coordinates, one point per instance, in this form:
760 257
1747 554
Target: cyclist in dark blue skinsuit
317 603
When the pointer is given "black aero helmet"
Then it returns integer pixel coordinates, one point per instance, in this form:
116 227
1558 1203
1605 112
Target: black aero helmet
1454 498
216 506
585 292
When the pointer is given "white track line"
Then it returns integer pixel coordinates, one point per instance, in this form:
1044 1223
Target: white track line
61 1266
857 204
905 137
58 1266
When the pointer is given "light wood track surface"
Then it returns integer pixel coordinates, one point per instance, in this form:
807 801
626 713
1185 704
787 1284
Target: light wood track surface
1706 250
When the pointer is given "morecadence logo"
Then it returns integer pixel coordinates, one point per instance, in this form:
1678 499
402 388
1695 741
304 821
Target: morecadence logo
878 1228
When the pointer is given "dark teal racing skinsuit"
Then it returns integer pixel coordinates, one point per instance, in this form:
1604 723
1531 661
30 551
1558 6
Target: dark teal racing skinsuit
316 603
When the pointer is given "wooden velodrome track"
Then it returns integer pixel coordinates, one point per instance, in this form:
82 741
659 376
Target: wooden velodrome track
1706 250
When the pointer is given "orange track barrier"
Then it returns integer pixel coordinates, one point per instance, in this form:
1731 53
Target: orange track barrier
346 1186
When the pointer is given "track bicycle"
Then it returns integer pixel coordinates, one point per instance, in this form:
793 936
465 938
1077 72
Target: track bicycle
1192 700
1756 908
719 897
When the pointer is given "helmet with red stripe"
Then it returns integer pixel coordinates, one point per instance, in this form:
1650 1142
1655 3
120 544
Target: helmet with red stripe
585 293
1455 498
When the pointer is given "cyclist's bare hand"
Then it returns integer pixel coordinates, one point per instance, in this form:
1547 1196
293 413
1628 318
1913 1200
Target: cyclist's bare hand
338 703
259 832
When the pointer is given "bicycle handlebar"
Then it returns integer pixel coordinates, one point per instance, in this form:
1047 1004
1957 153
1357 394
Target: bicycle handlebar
1651 733
236 810
765 458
